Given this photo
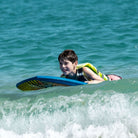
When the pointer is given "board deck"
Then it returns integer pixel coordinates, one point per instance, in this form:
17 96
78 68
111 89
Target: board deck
40 82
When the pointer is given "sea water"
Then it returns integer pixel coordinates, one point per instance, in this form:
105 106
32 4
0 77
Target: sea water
32 35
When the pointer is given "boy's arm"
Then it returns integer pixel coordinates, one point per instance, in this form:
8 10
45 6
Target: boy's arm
94 78
93 81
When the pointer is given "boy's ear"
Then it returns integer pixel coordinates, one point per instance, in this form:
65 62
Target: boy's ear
76 63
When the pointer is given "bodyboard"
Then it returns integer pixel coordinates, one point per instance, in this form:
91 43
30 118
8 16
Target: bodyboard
40 82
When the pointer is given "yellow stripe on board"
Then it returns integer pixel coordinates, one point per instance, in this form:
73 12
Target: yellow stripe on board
31 85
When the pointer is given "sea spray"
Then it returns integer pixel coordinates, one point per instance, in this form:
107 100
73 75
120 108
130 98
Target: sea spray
80 111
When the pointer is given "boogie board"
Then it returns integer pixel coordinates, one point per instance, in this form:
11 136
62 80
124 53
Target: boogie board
40 82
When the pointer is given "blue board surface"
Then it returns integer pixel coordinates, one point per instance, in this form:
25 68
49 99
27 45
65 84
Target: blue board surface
40 82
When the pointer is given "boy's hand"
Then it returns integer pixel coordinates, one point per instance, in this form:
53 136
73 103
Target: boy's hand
93 81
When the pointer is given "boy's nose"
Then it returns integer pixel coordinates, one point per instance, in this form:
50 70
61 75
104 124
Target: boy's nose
63 65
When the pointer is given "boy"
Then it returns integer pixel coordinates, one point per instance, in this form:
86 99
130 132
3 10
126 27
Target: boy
68 61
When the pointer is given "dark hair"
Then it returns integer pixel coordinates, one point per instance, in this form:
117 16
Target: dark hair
68 55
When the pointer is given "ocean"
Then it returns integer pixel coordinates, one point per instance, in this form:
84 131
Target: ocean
102 32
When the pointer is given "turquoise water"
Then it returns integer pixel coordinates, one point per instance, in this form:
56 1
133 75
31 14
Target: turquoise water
104 33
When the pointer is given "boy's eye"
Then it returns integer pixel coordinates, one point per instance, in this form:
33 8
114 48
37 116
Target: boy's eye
65 63
60 63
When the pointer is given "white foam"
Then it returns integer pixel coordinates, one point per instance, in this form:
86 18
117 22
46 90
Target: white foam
78 116
11 134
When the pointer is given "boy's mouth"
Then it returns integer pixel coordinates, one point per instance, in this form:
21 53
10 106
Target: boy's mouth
65 71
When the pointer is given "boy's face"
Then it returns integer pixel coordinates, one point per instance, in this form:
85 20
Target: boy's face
67 67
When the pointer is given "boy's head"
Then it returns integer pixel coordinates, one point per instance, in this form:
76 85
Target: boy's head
68 61
68 55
